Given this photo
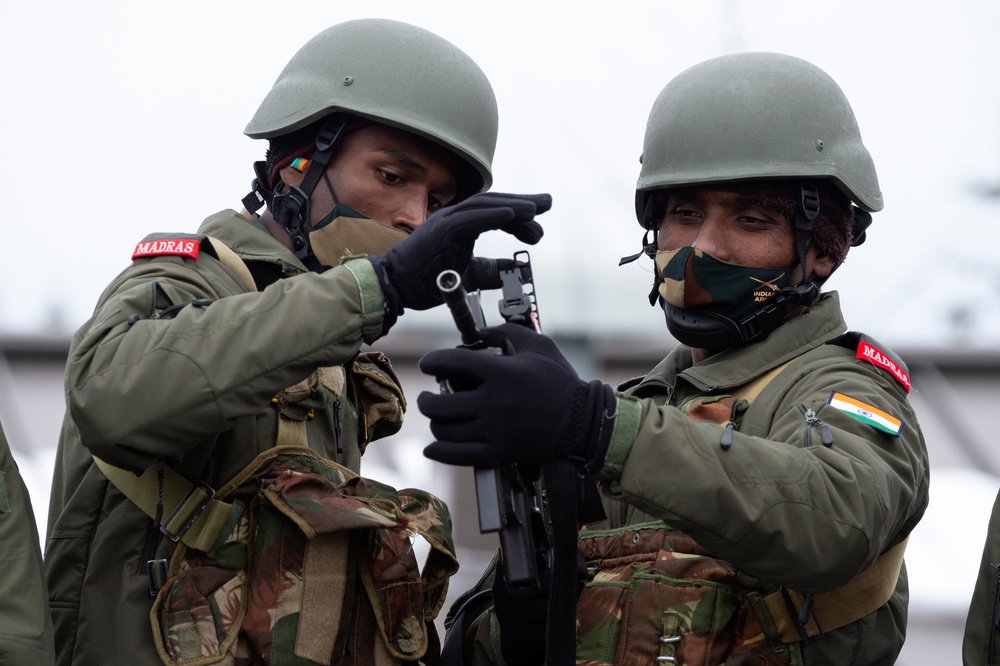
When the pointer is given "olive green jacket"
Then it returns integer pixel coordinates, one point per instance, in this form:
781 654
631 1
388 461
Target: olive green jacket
180 363
777 503
981 646
25 626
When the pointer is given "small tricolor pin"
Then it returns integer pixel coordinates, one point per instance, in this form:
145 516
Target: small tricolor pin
866 413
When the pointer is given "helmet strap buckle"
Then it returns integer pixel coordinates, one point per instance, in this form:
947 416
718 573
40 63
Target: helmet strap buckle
291 209
806 212
809 201
711 330
862 219
329 135
259 194
648 246
648 249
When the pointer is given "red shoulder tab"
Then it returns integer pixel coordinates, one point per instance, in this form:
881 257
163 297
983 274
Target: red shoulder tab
876 356
183 247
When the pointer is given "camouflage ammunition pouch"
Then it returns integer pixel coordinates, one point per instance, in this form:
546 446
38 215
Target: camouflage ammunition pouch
315 566
656 597
378 397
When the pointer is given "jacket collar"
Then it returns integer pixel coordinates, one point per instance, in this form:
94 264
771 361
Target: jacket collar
250 241
738 366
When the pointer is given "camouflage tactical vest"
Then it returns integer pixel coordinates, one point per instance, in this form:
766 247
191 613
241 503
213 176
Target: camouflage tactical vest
656 597
315 564
316 568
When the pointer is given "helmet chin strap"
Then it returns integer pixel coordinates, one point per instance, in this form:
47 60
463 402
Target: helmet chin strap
648 246
709 330
290 208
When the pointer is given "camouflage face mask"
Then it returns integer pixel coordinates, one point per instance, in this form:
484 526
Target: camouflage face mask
696 279
345 232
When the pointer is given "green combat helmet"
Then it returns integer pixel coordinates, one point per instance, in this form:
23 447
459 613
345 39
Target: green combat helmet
387 71
754 116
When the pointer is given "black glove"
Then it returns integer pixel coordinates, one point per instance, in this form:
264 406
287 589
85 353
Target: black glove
522 622
525 406
408 271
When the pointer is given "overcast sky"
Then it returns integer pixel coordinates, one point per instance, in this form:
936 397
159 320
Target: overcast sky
124 118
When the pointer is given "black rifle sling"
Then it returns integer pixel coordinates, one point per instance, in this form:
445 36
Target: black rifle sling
560 630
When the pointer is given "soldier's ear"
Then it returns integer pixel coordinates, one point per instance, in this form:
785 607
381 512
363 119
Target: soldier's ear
291 175
823 266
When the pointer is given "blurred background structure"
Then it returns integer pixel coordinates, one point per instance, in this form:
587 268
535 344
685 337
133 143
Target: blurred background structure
134 124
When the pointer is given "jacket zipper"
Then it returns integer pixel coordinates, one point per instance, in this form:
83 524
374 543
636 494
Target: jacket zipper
336 424
826 435
727 436
740 407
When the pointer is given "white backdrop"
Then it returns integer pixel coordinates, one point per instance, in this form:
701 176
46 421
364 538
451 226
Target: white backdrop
123 118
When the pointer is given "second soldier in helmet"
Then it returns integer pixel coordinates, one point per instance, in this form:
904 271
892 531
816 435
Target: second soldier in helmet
760 482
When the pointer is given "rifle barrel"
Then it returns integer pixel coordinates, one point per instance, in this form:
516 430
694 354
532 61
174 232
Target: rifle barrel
449 283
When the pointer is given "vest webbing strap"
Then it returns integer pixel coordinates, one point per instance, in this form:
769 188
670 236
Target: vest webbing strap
192 503
232 261
324 578
291 433
183 502
751 390
863 595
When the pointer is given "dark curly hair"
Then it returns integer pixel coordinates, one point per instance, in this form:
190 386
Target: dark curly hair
832 230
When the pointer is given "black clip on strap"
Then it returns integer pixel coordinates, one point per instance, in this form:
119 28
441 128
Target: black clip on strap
801 617
156 575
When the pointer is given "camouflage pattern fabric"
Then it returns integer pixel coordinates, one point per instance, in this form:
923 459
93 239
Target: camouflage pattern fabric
655 596
317 568
378 396
692 278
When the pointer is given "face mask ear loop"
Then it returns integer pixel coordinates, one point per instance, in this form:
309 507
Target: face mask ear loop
329 187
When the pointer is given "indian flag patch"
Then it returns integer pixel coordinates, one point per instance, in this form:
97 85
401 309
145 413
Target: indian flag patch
866 413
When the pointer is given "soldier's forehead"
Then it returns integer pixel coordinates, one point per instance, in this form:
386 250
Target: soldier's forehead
776 195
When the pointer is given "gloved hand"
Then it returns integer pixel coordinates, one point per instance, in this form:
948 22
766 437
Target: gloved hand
522 622
408 271
526 406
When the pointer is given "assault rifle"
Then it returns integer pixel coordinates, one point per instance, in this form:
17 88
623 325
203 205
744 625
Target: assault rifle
512 499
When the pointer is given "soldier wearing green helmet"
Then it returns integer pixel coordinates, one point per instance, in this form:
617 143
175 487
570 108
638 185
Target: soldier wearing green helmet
206 485
760 482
